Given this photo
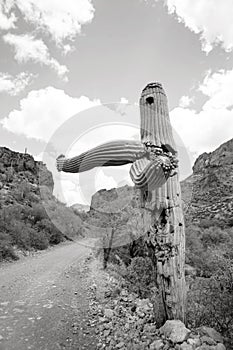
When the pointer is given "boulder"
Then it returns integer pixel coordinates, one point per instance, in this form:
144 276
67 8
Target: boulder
175 330
210 332
207 340
220 346
186 346
157 345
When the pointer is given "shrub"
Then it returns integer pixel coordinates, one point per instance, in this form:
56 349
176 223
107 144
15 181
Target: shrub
230 222
38 212
210 301
206 223
56 237
6 249
214 236
38 240
21 191
203 245
139 276
20 235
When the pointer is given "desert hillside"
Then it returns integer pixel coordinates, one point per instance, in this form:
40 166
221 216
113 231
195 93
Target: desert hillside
208 192
28 222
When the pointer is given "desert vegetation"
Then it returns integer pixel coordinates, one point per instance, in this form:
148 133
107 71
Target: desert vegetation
209 275
25 224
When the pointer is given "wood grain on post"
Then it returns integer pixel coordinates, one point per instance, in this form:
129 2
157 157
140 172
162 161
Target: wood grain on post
166 236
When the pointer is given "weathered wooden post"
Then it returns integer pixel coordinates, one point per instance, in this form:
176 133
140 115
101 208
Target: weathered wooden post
107 246
166 235
152 171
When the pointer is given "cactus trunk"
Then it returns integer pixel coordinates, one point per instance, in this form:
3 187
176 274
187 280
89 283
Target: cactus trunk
163 208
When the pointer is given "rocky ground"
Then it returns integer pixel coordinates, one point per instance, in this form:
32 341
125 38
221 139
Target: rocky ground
63 299
124 321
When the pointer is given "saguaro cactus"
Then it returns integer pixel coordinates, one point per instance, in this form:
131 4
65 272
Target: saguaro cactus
153 172
166 235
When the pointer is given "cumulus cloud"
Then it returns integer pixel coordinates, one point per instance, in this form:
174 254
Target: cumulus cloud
28 48
68 190
124 100
7 18
43 111
61 19
212 19
205 130
185 101
72 190
104 181
14 85
67 48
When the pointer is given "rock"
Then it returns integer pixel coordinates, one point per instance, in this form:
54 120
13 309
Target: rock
120 345
186 346
175 330
210 332
107 325
109 313
208 340
144 304
1 337
195 342
151 328
106 332
107 294
166 346
156 345
206 347
124 292
140 313
220 346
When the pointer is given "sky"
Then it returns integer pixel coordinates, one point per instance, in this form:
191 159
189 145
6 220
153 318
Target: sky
89 58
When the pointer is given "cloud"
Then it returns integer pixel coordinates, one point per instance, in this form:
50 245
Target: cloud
61 19
124 100
218 86
185 101
43 111
212 19
205 130
14 85
73 190
67 49
28 48
7 18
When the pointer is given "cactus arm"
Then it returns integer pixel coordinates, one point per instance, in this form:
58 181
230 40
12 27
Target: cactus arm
108 154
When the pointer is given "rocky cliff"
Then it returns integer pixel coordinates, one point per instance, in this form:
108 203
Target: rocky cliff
114 200
208 192
21 170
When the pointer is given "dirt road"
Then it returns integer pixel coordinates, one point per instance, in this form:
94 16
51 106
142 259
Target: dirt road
43 297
